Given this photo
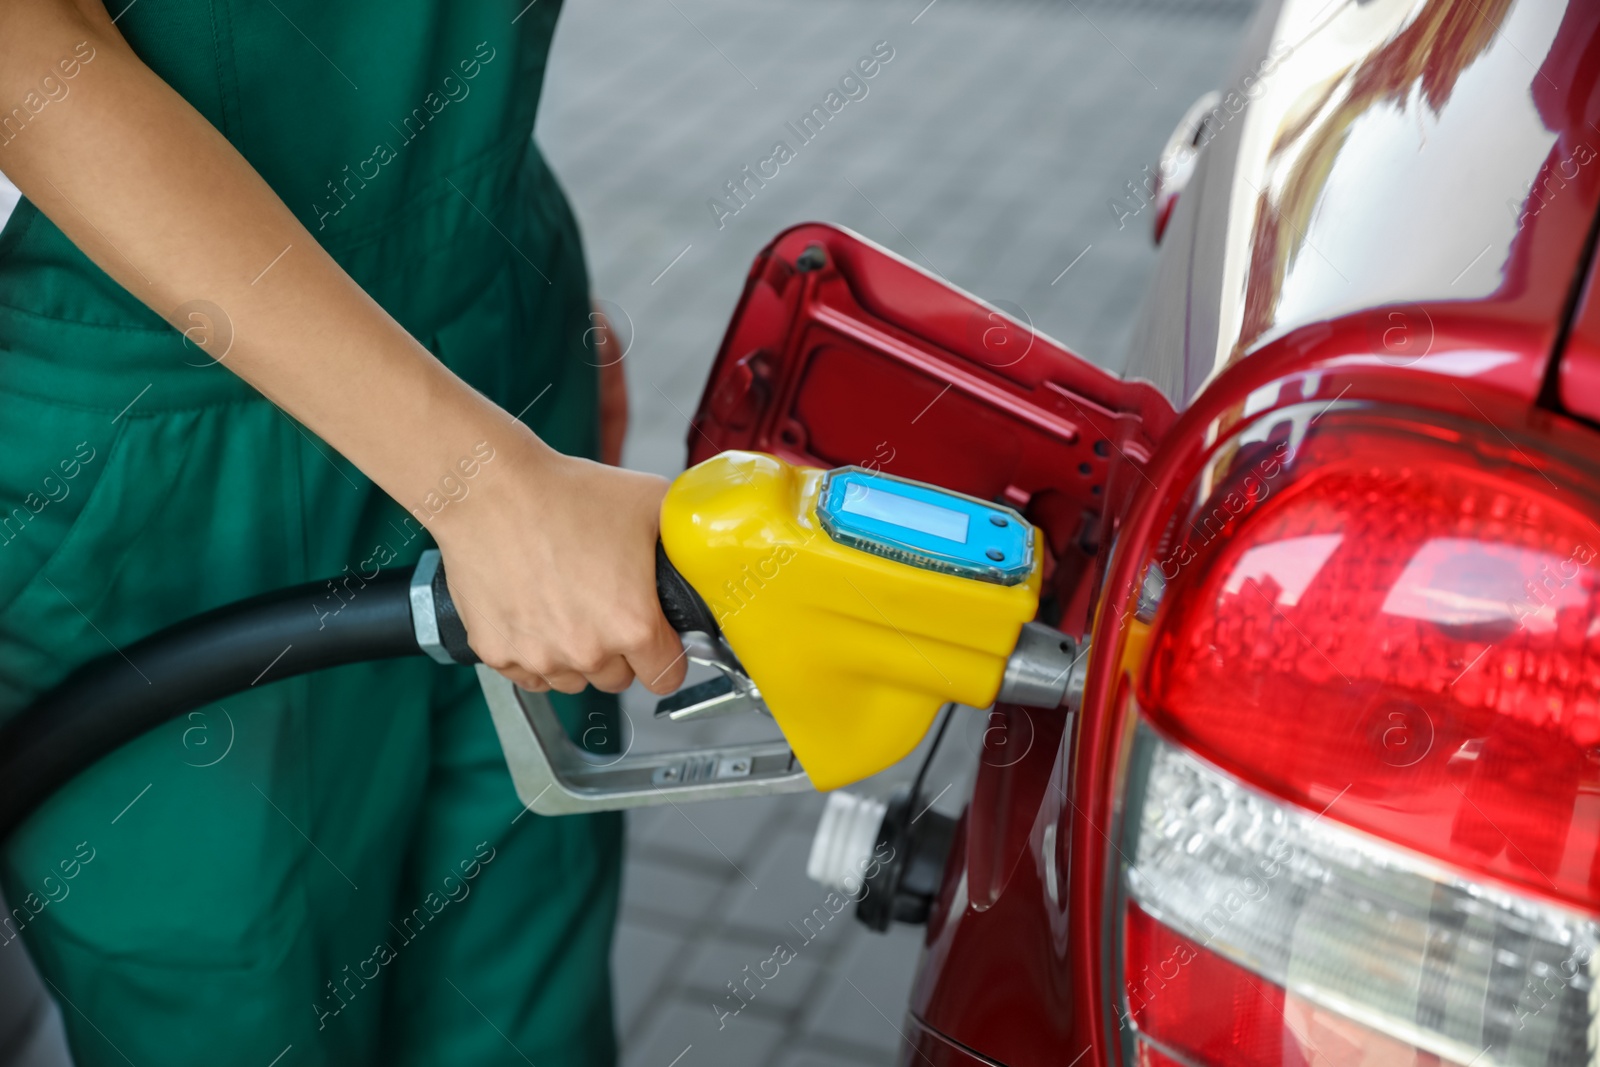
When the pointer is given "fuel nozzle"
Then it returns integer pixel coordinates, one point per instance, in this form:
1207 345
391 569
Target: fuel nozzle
1046 670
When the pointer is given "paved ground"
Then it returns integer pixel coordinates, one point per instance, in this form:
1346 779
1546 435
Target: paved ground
986 149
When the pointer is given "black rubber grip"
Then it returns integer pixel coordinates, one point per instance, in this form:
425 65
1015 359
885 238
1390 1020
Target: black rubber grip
683 607
452 631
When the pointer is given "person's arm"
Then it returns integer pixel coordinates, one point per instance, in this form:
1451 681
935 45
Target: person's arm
550 558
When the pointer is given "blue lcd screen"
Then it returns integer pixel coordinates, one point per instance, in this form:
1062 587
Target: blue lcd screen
925 526
905 512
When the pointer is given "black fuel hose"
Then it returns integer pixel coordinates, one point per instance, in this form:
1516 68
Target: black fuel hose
116 698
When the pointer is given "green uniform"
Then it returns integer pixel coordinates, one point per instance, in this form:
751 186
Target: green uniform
333 868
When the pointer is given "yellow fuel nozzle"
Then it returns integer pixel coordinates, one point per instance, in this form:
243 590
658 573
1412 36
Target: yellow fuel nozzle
859 603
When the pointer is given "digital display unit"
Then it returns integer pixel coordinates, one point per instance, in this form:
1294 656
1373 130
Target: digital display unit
924 526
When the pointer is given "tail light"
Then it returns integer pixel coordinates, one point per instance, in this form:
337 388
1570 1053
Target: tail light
1361 798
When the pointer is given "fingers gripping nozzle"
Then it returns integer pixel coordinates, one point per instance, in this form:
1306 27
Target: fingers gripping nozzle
443 636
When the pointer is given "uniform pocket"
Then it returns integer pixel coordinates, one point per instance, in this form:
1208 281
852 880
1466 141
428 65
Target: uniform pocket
52 463
77 490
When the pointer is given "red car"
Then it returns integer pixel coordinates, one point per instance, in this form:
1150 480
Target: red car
1331 790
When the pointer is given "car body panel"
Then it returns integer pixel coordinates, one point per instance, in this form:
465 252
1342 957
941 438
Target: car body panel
1579 372
1402 213
1394 203
1393 162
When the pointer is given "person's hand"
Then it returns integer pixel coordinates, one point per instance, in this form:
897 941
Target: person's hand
613 388
551 562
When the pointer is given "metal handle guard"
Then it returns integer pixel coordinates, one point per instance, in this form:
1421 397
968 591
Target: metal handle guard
554 776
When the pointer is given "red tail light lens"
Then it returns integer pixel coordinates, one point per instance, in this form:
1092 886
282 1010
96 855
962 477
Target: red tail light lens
1392 627
1198 1004
1410 625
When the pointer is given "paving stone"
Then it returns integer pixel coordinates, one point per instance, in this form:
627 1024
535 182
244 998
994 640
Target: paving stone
723 833
885 961
685 895
641 957
720 963
690 1030
785 894
649 825
806 1057
867 1001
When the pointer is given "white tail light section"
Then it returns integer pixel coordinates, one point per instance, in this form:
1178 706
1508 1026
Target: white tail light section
1260 933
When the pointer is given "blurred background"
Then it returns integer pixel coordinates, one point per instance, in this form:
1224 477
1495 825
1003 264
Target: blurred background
987 150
